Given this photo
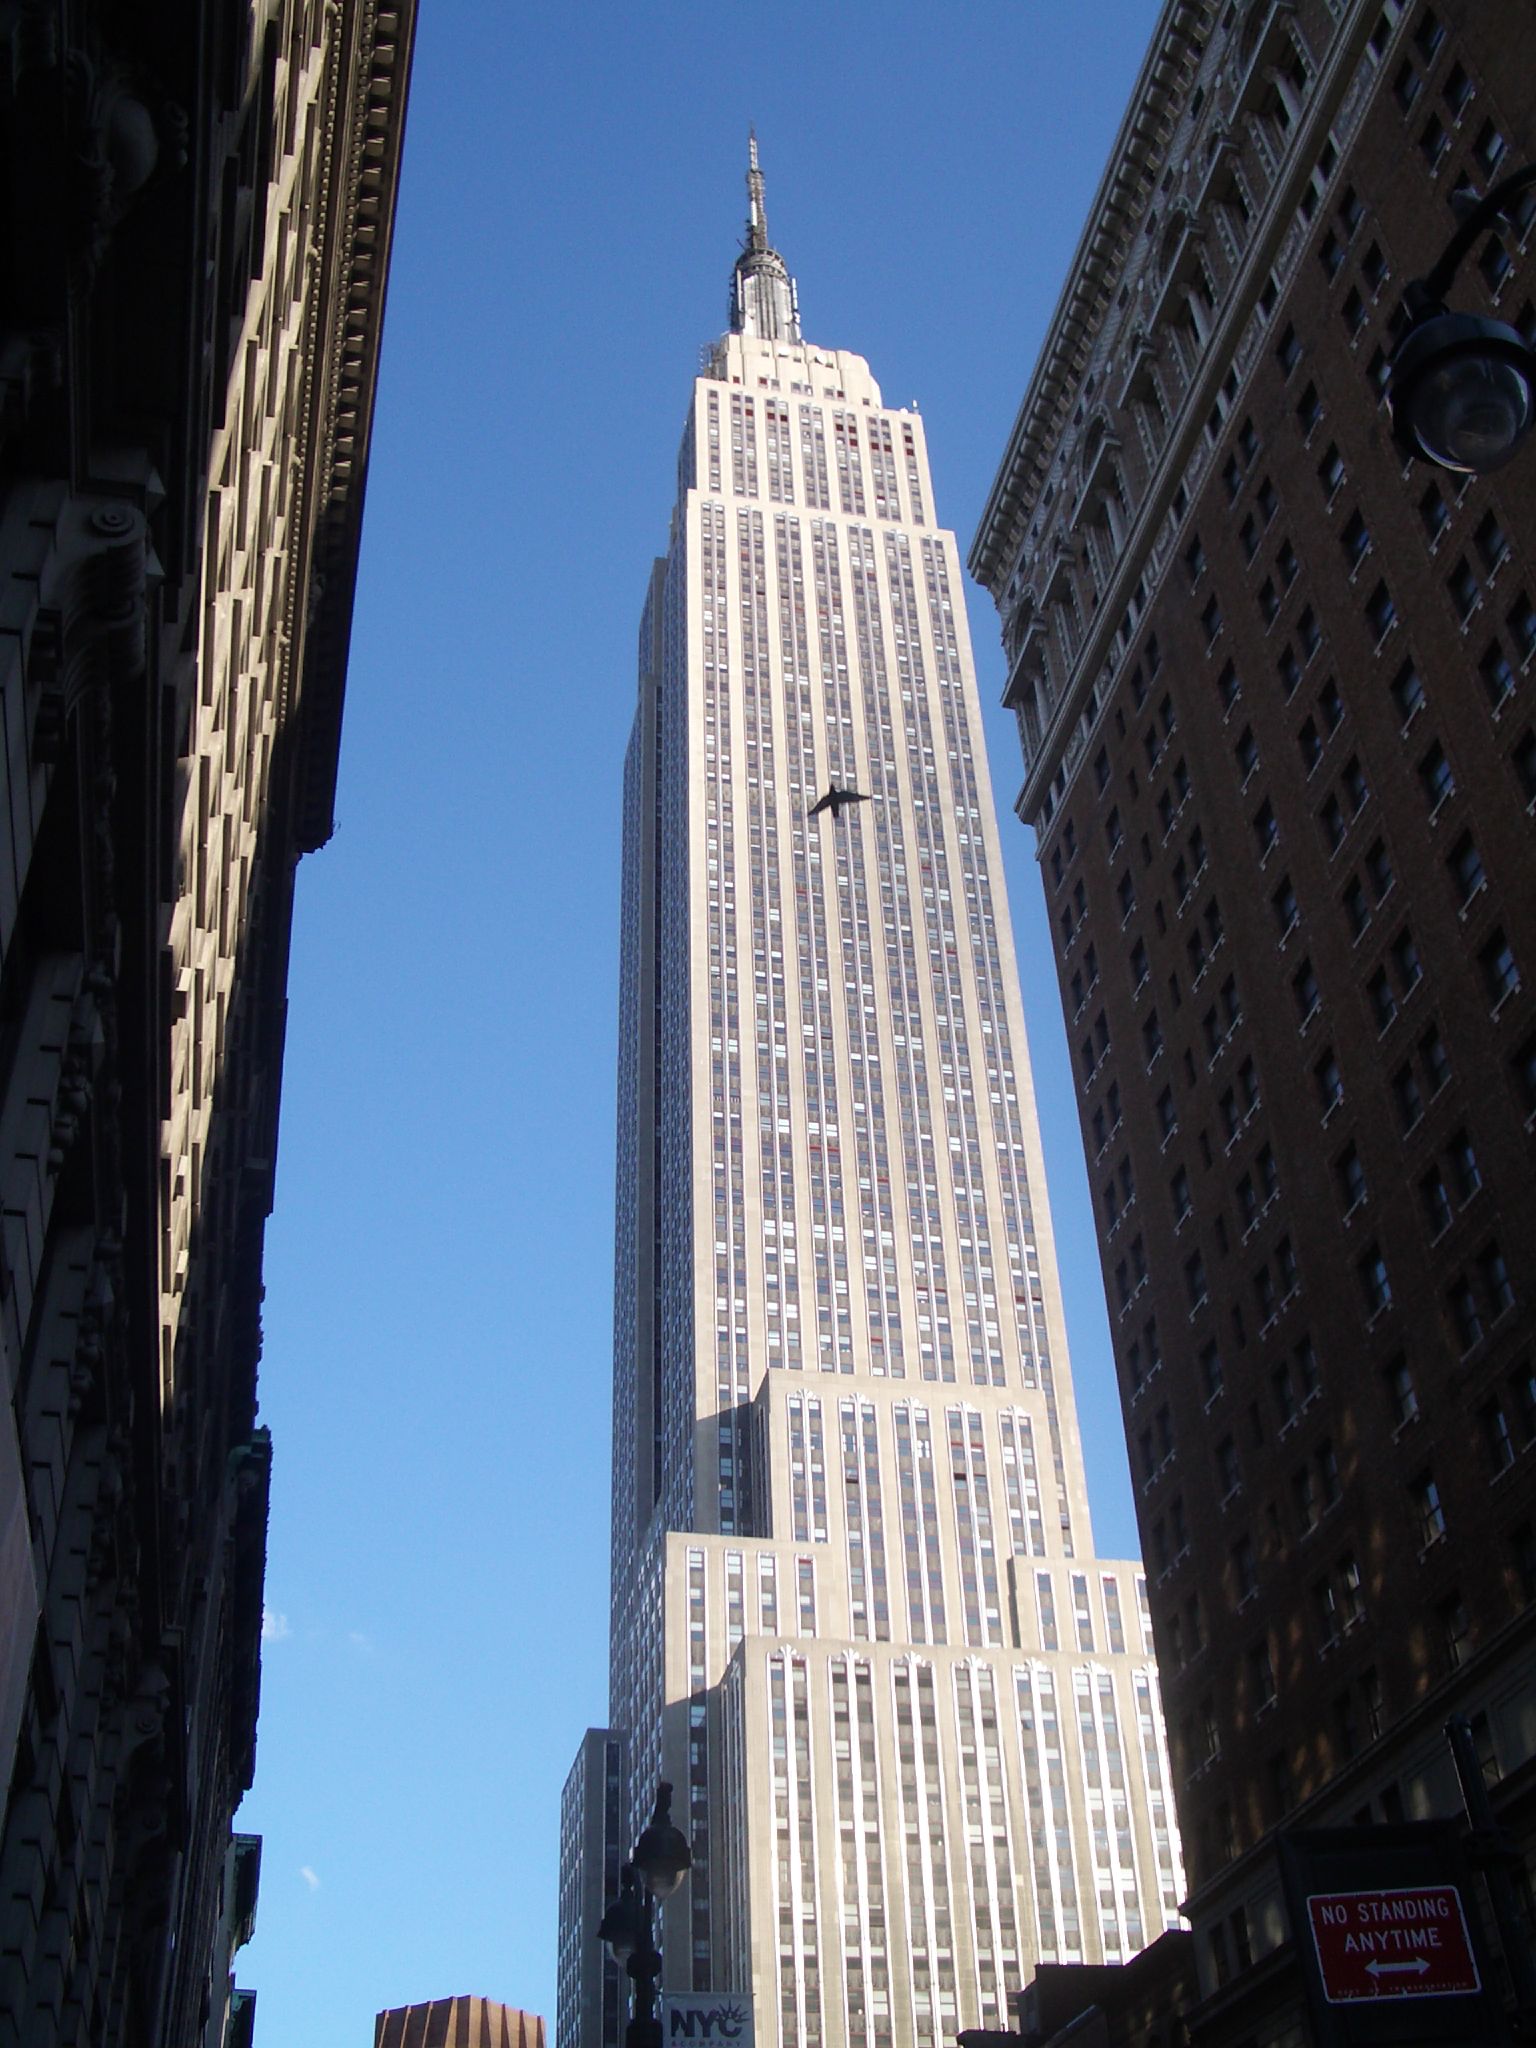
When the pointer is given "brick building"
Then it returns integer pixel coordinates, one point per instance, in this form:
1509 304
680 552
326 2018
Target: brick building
1275 694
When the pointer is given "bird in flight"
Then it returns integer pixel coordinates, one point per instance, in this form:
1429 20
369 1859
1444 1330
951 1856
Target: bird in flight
836 799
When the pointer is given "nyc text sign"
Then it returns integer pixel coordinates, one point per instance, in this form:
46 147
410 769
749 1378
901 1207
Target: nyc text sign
1407 1943
713 2017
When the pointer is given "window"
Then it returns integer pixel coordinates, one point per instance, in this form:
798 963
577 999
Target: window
1488 148
1178 1189
1210 619
1265 830
1434 512
1490 541
1288 351
1350 1175
1330 471
1139 965
1427 1508
1374 1284
1457 89
1356 908
1498 677
1167 1115
1382 1001
1305 991
1112 832
1194 1281
1433 141
1269 601
1461 1303
1406 1096
1381 612
1229 1473
1464 1166
1194 560
1436 1201
1151 1037
1493 1274
1288 668
1330 1083
1407 692
1455 1629
1125 891
1227 687
1355 540
1401 1394
1501 976
1405 961
1245 1569
1309 408
1247 752
1352 782
1378 868
1435 777
1437 1061
1310 741
1464 593
1284 904
1465 864
1497 1441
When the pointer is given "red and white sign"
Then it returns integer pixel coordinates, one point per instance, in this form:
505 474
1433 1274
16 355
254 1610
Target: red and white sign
1408 1943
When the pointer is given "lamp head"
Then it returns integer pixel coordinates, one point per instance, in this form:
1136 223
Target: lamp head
662 1854
1462 391
623 1924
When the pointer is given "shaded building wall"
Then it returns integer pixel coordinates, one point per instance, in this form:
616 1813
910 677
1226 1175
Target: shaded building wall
1275 698
196 216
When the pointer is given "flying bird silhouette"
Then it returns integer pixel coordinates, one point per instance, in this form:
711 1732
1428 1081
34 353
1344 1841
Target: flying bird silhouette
836 798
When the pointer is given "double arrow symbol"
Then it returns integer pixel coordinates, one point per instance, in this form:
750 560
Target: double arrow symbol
1418 1966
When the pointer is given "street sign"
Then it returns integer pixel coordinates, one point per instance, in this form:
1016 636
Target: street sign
1406 1942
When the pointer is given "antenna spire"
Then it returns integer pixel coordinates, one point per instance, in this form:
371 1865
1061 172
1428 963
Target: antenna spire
763 297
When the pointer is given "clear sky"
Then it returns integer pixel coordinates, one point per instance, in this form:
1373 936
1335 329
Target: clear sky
439 1267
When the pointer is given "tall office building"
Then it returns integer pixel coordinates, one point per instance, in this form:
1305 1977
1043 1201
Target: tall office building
1274 688
194 238
857 1618
457 2023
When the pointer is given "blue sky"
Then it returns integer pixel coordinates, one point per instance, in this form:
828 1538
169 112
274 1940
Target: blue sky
439 1266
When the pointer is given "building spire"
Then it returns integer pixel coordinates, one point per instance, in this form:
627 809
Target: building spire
764 302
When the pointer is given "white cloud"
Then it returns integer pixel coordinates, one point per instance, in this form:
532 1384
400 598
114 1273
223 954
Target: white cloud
309 1877
275 1627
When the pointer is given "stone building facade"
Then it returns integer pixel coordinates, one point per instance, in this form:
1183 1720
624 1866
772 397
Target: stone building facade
196 222
1275 690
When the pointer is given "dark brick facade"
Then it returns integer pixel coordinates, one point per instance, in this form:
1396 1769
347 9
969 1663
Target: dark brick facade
1284 807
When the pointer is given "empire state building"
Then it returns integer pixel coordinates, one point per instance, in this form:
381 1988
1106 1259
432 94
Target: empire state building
857 1619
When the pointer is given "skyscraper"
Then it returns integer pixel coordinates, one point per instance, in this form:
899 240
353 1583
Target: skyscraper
1275 691
856 1615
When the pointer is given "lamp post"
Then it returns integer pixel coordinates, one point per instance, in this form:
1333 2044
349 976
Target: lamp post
658 1865
1462 389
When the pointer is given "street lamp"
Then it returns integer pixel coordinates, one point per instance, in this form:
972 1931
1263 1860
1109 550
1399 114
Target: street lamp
658 1866
1462 389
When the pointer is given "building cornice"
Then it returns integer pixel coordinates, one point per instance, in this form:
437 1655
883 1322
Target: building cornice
357 206
1135 163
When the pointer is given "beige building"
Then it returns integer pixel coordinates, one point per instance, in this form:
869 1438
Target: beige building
195 257
858 1621
1274 688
